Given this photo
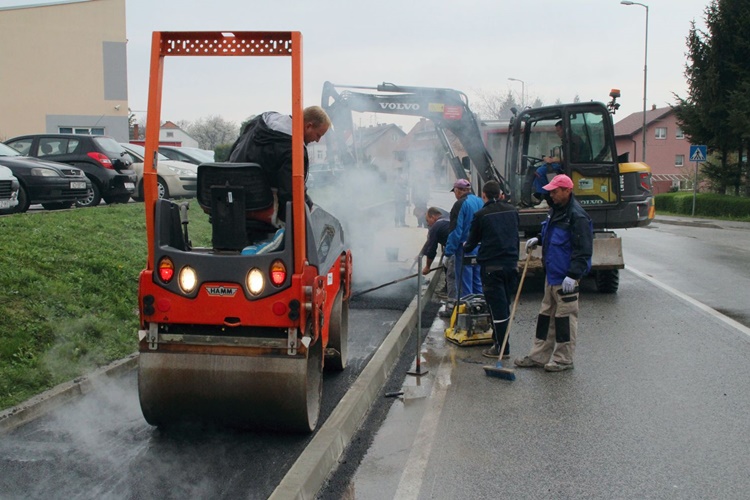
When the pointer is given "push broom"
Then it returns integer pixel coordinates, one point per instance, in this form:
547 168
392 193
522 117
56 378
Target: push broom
498 370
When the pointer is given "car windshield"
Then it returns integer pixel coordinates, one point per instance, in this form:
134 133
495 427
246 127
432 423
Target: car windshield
140 151
8 151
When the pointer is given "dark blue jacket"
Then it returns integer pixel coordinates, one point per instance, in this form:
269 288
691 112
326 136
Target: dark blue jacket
495 226
567 242
438 233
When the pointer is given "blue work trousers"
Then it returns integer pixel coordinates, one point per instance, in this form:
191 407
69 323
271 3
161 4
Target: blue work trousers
468 278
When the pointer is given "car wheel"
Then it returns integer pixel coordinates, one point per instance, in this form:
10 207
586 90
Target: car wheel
23 201
57 206
163 190
93 197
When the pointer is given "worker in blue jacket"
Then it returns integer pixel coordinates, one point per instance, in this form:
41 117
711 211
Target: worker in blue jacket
567 244
468 277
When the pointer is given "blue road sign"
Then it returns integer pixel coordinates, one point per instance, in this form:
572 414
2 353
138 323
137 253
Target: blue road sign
698 153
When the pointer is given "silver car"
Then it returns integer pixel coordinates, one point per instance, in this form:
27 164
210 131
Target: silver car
176 179
8 189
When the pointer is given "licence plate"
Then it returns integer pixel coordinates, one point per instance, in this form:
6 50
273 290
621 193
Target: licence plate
77 185
130 186
4 203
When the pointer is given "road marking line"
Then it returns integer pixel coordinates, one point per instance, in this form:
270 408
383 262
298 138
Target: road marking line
700 305
413 475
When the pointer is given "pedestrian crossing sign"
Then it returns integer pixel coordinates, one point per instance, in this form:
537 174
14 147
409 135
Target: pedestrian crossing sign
698 153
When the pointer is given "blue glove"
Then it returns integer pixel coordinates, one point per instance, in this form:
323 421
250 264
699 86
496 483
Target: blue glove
531 243
568 285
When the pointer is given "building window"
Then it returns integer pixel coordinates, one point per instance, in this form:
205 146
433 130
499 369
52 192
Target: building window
679 134
679 160
319 154
81 130
661 132
170 134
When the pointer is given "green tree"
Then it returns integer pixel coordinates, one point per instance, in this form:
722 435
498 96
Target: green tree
716 111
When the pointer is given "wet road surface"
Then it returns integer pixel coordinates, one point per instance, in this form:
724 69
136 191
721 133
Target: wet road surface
656 407
101 447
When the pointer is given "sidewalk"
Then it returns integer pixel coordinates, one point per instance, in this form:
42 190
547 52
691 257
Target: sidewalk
701 222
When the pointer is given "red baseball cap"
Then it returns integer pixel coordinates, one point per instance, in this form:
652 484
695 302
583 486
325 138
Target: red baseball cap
559 181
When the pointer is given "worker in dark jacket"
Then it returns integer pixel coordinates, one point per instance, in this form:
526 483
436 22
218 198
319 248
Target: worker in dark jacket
567 243
267 141
439 226
495 226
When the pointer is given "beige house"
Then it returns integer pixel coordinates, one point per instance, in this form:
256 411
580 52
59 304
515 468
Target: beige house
64 69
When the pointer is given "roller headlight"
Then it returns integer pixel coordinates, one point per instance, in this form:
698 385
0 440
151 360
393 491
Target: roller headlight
255 281
188 279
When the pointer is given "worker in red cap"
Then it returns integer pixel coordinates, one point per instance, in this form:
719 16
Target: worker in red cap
567 239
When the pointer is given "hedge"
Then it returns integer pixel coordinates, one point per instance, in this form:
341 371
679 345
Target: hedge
706 205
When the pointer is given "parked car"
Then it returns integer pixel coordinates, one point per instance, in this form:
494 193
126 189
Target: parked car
101 158
176 179
190 155
8 190
54 185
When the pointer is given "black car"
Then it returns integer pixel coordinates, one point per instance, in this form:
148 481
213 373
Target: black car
54 185
101 158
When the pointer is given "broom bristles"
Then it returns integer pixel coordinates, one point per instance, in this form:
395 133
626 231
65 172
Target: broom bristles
499 372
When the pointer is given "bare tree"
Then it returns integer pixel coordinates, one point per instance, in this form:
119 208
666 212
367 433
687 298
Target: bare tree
212 131
494 106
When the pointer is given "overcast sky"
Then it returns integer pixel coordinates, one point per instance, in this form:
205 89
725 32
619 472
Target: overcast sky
559 48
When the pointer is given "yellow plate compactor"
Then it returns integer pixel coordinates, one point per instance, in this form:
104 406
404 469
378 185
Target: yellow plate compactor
471 322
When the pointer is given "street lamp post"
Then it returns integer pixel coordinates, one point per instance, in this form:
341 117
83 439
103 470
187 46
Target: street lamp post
645 67
523 90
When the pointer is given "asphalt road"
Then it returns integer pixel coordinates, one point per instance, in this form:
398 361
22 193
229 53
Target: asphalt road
705 259
101 447
656 406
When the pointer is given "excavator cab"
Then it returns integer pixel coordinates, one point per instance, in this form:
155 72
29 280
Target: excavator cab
577 142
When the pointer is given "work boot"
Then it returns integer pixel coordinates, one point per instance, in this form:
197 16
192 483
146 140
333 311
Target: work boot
527 362
492 352
558 367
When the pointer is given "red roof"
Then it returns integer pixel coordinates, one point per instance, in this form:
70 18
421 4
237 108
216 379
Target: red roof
632 124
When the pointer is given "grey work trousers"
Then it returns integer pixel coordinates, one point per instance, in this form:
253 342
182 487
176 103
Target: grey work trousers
556 327
450 277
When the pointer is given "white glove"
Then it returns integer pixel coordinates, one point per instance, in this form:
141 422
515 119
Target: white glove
568 285
532 243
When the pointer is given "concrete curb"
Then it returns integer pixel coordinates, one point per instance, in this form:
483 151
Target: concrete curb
47 401
308 474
